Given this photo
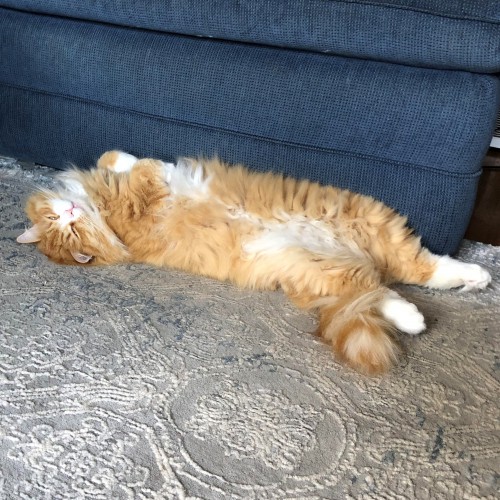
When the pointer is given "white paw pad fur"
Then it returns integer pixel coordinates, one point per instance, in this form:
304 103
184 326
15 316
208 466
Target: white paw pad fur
451 273
124 162
117 161
402 314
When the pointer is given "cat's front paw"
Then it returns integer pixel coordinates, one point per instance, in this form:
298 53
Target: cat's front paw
117 161
451 273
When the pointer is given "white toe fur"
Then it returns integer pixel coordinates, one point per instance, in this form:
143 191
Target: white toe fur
402 314
124 162
451 273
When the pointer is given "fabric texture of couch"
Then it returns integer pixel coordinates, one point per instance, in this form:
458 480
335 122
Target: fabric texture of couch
392 98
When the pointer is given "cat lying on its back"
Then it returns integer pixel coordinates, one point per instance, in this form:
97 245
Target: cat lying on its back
328 249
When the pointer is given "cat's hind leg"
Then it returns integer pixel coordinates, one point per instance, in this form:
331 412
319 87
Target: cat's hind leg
432 271
354 315
117 161
405 260
399 255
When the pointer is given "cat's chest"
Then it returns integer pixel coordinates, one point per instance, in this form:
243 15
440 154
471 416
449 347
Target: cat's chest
187 180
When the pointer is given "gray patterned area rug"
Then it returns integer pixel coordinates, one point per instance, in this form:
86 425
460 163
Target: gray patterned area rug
130 382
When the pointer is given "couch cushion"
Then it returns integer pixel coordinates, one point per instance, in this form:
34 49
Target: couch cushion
398 113
452 34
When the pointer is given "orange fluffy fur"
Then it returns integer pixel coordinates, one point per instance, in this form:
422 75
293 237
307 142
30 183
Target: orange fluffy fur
134 217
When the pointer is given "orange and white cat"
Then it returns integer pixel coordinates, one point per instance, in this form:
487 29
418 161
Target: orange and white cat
328 249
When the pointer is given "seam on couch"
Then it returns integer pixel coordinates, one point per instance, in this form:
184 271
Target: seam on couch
418 10
245 134
353 2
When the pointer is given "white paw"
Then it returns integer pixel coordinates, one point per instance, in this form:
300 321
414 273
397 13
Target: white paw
475 278
451 273
124 162
402 314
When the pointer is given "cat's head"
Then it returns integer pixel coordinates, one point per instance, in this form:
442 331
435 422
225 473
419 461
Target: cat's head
70 231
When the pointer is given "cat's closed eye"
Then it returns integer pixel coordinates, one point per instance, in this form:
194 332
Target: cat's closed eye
53 217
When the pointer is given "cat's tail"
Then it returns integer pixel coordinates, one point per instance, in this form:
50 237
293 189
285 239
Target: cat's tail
358 332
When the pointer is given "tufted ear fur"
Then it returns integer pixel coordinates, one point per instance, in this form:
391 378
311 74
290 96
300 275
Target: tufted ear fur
31 235
81 258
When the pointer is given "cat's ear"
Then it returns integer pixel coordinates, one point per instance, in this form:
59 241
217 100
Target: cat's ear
81 258
31 235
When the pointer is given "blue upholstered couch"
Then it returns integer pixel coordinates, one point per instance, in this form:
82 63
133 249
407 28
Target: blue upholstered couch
393 98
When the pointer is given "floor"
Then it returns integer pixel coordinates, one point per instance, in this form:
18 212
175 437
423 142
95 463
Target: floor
134 382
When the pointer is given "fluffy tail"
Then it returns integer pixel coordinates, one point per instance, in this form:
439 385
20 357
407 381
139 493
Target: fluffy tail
360 336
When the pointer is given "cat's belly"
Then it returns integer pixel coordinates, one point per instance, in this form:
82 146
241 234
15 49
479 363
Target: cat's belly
314 236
